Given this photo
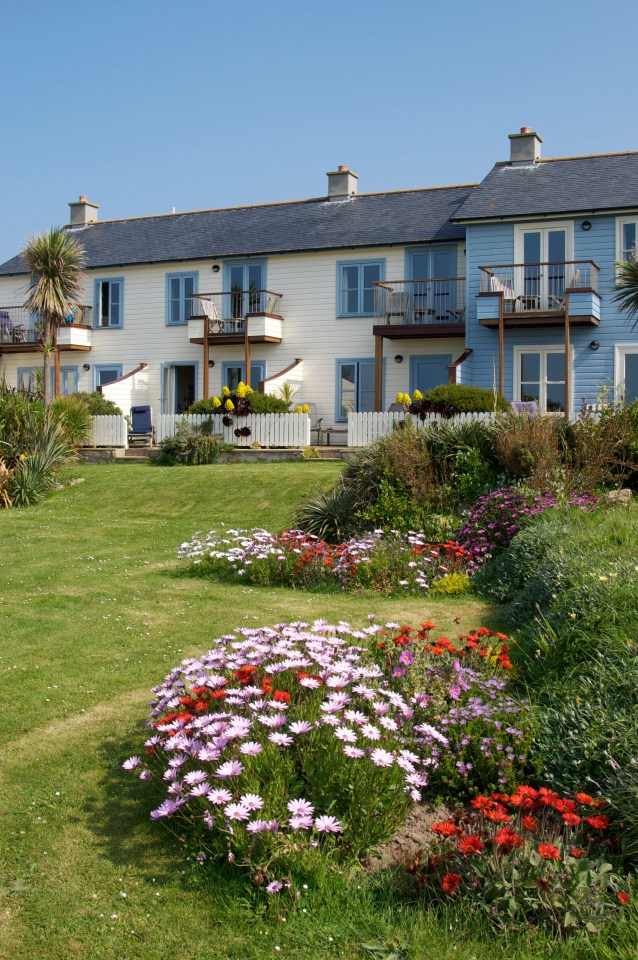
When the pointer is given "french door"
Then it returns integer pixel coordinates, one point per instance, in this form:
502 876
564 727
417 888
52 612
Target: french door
433 289
245 283
541 284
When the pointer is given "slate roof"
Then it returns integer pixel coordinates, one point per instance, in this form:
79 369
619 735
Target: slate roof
562 185
374 219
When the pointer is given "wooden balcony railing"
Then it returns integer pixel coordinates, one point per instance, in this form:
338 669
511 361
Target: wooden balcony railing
18 325
439 301
539 287
227 311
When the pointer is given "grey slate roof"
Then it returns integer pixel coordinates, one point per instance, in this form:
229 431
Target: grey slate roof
564 185
377 219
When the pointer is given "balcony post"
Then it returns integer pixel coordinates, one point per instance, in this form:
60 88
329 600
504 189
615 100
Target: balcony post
501 344
378 374
206 357
567 358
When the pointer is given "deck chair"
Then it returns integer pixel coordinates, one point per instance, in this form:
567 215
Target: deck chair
209 310
6 327
141 432
528 407
315 424
397 304
504 286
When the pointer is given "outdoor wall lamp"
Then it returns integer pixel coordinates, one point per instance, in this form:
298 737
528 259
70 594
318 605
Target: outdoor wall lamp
215 268
594 345
398 358
211 363
86 366
586 225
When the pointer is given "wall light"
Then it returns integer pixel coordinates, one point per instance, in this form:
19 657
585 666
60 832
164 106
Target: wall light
585 225
215 268
398 358
594 345
211 363
86 366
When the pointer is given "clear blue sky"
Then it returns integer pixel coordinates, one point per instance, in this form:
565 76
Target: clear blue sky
146 105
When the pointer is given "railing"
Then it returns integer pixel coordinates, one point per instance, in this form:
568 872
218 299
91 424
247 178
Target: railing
440 300
227 310
533 287
18 325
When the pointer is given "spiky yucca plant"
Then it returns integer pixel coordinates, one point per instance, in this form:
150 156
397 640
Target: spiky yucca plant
627 286
55 261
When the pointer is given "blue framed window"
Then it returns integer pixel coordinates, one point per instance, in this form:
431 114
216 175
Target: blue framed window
355 286
243 283
28 378
109 303
106 373
69 379
180 288
355 387
235 371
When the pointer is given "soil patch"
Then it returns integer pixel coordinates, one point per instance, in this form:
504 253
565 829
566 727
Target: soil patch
415 834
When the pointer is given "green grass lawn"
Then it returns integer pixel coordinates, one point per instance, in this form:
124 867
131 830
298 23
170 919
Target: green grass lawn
95 611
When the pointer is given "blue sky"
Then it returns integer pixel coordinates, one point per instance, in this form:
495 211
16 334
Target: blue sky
145 106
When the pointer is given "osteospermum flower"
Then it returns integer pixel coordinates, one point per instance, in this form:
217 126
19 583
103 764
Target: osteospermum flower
381 758
131 763
218 797
195 777
232 768
300 726
345 734
370 732
280 739
250 748
353 752
327 825
252 801
300 823
237 811
300 807
274 886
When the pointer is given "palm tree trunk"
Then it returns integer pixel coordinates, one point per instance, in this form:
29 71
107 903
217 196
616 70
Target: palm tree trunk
48 347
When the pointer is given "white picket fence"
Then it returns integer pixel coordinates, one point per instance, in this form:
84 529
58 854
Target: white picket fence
364 428
266 429
111 431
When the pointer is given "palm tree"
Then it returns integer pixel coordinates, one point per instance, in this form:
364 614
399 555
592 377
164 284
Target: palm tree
55 261
627 286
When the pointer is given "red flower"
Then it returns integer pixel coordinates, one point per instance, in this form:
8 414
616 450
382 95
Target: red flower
623 898
498 815
218 694
571 819
508 840
597 822
548 851
542 883
281 696
450 882
245 674
470 844
529 823
584 798
577 852
482 803
445 829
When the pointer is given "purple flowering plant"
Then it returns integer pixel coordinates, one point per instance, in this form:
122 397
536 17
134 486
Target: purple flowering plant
293 741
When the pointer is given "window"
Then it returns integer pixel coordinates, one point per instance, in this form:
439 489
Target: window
626 237
432 294
243 284
180 288
109 303
545 253
355 286
355 387
68 381
627 372
540 376
29 378
107 373
234 372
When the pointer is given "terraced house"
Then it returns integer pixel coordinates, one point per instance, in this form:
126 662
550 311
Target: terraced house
353 297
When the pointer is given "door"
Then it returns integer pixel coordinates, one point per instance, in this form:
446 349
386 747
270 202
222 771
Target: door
427 372
355 387
245 283
543 276
433 289
178 388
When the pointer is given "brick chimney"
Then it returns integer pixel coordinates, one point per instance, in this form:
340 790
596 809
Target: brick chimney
342 183
83 212
525 147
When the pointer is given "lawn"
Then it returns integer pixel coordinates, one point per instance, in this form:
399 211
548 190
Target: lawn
96 610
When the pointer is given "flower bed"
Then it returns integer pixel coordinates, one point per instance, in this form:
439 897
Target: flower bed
381 561
528 857
286 741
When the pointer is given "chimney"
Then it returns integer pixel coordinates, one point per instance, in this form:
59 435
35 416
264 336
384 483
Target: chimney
525 147
342 183
83 212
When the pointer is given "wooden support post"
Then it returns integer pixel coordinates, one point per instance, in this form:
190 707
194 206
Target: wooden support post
246 352
378 374
568 371
501 345
206 358
56 370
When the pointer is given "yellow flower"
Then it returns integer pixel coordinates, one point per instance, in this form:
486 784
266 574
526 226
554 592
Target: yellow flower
573 616
229 405
298 409
225 392
576 699
305 408
22 456
216 402
603 579
241 389
417 395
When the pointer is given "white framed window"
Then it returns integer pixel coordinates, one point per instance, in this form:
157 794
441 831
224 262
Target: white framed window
626 237
545 253
539 376
626 372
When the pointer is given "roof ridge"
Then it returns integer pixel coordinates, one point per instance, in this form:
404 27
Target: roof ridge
275 203
577 156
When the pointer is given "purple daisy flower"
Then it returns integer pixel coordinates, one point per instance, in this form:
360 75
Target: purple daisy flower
327 825
232 768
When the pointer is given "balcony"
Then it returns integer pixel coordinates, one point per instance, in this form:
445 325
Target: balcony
538 294
223 317
420 308
21 333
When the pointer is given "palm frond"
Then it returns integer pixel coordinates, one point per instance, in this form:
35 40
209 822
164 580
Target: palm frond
627 287
55 261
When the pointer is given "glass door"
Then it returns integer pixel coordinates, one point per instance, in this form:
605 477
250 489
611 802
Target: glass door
433 289
543 280
245 281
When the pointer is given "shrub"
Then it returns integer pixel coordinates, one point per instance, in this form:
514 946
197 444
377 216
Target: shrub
242 404
192 446
602 450
528 449
280 740
33 475
268 403
20 418
330 515
98 405
74 416
529 858
467 399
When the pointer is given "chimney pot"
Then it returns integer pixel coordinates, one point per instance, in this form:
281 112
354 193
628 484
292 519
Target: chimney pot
526 129
83 199
342 183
